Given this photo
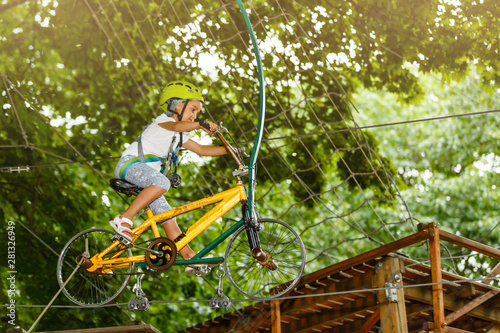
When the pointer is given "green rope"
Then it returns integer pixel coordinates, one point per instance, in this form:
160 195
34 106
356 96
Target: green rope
262 112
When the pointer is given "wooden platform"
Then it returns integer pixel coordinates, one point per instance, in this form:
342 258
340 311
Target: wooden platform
456 307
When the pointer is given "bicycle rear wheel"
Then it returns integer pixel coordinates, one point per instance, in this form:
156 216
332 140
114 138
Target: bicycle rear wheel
85 288
252 279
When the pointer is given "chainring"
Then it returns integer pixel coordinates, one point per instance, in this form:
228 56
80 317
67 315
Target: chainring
167 254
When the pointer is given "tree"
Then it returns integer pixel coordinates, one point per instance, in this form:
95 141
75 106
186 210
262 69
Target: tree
80 80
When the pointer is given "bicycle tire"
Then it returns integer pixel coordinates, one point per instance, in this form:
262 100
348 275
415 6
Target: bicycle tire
256 281
86 288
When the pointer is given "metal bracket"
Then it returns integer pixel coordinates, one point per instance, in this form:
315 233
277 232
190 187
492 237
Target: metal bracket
220 300
139 301
391 293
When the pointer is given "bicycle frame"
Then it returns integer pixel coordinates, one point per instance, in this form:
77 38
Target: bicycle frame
227 200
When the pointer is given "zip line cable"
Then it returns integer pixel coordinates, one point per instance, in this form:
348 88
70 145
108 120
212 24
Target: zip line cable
336 293
6 169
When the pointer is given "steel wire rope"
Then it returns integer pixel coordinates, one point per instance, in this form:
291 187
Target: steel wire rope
38 238
32 107
275 151
460 92
312 156
311 194
192 46
312 109
314 112
337 293
231 86
269 139
412 64
94 16
349 102
7 90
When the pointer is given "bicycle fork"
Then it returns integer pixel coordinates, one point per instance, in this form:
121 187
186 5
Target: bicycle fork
263 257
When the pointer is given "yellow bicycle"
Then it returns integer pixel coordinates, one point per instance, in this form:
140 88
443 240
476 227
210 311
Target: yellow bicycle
264 258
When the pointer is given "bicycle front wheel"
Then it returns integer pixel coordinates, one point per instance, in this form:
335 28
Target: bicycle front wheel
96 288
256 281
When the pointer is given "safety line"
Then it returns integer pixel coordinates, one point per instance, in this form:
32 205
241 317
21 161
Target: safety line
4 169
337 293
55 296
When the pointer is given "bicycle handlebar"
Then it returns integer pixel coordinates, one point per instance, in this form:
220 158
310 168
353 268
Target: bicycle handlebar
229 149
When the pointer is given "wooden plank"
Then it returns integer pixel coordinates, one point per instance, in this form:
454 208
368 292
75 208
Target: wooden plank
364 257
451 302
394 311
456 330
275 316
470 306
436 275
362 281
368 325
493 273
446 275
469 244
145 328
338 314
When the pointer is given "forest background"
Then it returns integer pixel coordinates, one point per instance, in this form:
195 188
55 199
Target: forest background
80 79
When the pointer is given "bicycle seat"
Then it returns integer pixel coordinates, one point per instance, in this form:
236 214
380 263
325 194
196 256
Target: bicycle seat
123 186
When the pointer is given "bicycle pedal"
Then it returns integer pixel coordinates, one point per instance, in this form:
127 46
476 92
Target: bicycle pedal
122 240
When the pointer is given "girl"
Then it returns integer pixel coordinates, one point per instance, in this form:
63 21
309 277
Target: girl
141 162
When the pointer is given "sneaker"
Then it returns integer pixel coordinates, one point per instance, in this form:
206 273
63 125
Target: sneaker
197 270
122 226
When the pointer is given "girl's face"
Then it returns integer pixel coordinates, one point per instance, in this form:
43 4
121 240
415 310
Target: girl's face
191 111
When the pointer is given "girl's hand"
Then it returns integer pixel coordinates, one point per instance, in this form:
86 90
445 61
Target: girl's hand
207 126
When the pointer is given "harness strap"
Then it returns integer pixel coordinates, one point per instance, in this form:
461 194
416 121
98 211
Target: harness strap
147 158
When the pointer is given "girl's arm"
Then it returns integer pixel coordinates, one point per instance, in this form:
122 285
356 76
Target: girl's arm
203 150
186 126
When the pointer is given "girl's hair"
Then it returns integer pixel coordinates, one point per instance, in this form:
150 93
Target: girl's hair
172 103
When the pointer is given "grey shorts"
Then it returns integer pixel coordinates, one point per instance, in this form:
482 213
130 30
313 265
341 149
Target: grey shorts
143 176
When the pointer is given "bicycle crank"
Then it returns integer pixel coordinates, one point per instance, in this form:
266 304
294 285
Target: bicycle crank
164 255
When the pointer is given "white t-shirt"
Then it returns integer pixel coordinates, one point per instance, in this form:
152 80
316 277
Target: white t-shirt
157 140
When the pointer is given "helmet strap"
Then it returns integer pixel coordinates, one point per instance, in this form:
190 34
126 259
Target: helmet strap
183 109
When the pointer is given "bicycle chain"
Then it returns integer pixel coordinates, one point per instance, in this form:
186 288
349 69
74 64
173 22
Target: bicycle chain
147 271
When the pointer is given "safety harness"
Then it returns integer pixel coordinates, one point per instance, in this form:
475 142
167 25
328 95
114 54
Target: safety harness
169 165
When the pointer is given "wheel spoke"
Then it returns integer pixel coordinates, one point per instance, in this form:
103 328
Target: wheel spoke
252 279
87 288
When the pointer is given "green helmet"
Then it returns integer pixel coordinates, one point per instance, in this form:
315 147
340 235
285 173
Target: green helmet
179 90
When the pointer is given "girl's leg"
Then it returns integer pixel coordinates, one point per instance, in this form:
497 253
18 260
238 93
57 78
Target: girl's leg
173 231
171 227
148 195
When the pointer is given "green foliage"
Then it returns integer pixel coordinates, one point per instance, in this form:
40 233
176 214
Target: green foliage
80 80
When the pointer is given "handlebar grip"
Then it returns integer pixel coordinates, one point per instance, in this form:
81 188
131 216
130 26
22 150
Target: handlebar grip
204 124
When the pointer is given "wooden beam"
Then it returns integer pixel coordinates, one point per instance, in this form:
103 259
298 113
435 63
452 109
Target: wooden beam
469 244
395 312
495 328
364 257
493 273
470 306
436 275
368 325
451 302
275 316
